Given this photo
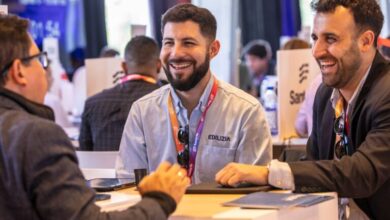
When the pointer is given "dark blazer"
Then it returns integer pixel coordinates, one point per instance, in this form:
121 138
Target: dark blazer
364 175
105 115
39 174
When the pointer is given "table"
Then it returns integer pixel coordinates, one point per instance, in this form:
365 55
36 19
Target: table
207 206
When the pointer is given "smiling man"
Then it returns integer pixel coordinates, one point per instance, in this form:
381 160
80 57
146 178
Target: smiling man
197 120
349 147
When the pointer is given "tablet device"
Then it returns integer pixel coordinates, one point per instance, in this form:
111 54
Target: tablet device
102 197
110 184
215 188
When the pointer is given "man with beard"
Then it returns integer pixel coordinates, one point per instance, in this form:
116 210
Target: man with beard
349 147
197 120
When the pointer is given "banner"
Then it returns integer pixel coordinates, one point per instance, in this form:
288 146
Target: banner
61 19
3 9
99 74
295 70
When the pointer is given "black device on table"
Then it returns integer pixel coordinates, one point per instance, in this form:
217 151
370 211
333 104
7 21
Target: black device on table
215 188
102 197
110 184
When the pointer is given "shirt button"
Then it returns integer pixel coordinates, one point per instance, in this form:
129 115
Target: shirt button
278 183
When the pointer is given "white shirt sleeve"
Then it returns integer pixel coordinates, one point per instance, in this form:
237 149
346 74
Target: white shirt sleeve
280 175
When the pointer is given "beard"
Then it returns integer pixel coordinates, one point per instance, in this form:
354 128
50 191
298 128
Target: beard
347 66
195 77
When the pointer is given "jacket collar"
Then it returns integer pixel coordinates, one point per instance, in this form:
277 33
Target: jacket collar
11 100
377 67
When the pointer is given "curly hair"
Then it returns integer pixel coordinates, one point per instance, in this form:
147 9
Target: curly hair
190 12
367 14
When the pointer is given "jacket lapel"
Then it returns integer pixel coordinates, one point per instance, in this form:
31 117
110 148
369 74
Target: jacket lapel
376 70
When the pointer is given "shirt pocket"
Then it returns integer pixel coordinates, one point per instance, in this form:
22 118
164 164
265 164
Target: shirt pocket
211 160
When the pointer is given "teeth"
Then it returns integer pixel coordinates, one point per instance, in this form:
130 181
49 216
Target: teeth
327 63
180 65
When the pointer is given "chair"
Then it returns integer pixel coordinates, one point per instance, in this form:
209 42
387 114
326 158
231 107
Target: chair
97 164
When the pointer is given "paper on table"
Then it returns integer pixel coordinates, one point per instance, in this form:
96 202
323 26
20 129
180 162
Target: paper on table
118 201
269 200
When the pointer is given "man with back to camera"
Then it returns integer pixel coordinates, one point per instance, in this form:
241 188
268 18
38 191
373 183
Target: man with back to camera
40 177
105 113
197 120
349 146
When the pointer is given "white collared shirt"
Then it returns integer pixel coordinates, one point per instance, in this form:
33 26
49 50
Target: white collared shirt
235 130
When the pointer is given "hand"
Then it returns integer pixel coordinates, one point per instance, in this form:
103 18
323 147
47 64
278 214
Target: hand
235 173
170 179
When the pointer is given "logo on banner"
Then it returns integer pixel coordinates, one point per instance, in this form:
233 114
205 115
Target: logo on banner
298 97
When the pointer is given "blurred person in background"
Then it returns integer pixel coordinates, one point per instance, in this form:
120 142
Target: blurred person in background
258 60
105 113
53 101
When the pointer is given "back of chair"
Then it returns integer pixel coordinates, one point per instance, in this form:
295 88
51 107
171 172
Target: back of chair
97 159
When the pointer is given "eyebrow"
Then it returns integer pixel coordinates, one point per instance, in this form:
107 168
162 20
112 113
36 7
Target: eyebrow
183 39
327 34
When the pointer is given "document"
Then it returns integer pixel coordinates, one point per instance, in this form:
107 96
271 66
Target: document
268 200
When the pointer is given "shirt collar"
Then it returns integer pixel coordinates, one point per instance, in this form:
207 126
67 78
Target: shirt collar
202 101
14 100
336 92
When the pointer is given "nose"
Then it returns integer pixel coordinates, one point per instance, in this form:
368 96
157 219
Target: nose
176 51
318 49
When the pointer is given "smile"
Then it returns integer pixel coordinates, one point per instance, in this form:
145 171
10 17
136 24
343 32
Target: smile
180 66
325 64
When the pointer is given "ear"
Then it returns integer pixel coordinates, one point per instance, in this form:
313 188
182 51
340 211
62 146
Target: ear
214 48
124 67
366 40
158 65
16 73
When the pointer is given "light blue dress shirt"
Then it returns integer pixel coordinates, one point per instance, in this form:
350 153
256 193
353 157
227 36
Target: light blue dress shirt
235 130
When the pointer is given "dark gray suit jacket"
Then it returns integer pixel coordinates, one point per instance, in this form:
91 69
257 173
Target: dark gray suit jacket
105 115
364 175
39 175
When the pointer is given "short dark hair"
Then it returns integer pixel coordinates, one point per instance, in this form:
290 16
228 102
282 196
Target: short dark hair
14 40
108 52
141 51
366 13
185 12
259 48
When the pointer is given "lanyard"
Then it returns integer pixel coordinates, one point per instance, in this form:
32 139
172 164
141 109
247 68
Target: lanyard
339 110
175 128
132 77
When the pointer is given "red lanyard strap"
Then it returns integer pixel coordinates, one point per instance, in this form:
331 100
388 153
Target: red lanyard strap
175 128
132 77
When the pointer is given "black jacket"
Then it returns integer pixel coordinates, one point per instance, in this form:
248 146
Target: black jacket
39 174
364 175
